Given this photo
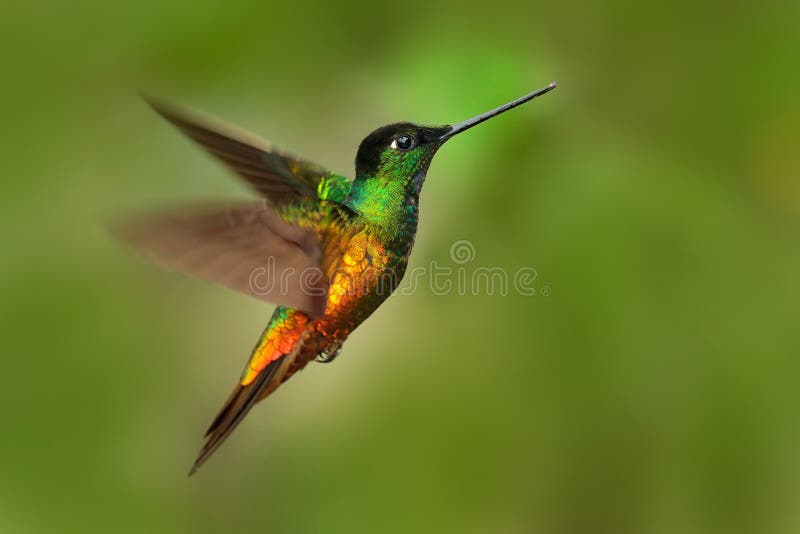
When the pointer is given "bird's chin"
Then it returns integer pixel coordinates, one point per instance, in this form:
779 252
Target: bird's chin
418 180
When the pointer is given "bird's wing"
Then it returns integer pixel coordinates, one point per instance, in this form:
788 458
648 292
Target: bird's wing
277 175
246 247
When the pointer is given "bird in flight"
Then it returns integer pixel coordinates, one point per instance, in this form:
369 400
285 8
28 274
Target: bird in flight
326 249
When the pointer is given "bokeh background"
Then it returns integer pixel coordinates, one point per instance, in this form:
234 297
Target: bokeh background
656 192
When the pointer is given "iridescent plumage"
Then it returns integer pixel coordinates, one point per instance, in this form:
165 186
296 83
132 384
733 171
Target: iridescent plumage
349 239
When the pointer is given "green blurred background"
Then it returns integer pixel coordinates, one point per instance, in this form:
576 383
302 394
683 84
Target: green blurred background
656 192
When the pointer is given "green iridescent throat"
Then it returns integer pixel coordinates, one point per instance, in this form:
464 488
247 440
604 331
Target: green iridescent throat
388 198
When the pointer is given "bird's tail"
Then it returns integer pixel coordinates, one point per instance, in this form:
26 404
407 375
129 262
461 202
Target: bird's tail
273 360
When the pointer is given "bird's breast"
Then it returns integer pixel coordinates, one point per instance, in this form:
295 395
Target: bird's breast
366 272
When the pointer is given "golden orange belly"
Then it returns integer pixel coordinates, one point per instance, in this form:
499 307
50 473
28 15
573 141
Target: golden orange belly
362 278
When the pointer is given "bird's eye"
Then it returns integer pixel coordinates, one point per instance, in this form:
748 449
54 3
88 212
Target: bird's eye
404 142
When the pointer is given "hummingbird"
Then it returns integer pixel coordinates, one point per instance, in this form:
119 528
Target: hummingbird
325 249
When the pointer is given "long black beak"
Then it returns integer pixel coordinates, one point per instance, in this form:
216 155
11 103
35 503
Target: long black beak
469 123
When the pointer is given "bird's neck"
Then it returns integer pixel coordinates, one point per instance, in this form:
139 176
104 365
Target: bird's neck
387 204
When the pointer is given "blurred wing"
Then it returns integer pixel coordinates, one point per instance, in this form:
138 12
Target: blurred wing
278 176
246 247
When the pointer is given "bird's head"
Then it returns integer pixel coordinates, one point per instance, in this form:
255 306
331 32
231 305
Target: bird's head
393 160
399 152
